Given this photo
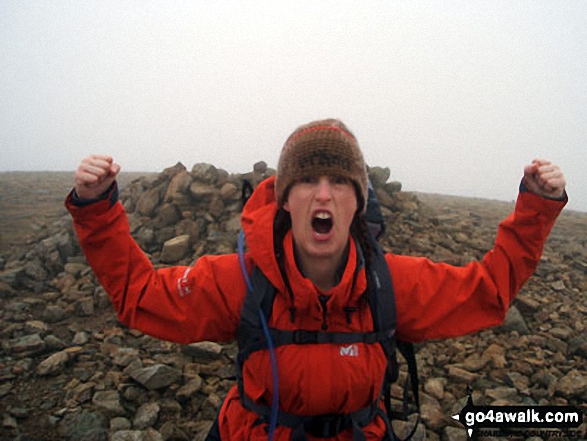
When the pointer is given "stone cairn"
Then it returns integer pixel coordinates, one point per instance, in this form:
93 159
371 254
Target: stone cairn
69 370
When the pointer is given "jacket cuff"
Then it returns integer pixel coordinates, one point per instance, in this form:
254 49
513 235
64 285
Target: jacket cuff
101 203
551 207
524 189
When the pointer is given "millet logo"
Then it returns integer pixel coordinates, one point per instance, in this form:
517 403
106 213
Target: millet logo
349 351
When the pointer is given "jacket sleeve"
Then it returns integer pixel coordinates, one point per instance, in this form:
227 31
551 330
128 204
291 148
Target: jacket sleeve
180 304
437 300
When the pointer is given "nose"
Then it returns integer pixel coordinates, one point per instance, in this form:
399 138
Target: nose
323 190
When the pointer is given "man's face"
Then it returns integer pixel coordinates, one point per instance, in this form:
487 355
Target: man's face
322 210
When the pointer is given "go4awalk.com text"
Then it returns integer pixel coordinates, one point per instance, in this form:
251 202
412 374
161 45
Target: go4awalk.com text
562 418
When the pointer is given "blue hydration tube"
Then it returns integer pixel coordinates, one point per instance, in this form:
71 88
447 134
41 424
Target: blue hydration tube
270 346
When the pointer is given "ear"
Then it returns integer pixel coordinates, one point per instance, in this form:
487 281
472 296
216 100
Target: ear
286 205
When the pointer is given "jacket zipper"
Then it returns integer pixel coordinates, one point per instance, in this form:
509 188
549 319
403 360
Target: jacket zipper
323 300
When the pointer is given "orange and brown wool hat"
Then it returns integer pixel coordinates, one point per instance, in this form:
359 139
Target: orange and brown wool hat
321 148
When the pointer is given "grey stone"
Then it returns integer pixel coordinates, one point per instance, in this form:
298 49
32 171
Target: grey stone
454 434
54 364
513 322
28 345
201 192
175 249
85 307
54 313
146 416
109 402
260 167
178 187
203 352
205 173
189 389
379 175
80 338
572 385
393 187
435 387
149 201
13 276
119 423
80 426
156 376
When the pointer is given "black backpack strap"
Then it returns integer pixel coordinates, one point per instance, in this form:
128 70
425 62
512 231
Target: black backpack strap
383 311
246 192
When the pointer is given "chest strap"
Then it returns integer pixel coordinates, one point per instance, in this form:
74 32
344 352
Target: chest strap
255 339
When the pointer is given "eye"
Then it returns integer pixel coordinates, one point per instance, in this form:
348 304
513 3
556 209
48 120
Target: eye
340 180
308 180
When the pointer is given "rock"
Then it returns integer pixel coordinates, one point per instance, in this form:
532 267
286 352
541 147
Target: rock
201 192
54 364
228 192
572 385
86 425
435 387
526 304
108 401
558 285
393 187
514 322
260 167
85 307
7 291
156 376
119 423
26 346
433 416
205 173
210 406
216 207
137 435
454 434
36 327
168 215
177 189
203 352
80 338
175 249
189 389
460 375
578 346
148 202
146 416
12 276
379 175
54 313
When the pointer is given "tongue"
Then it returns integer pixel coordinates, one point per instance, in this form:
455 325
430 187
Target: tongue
321 226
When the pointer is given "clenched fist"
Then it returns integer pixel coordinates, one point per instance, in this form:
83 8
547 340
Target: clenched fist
545 179
94 175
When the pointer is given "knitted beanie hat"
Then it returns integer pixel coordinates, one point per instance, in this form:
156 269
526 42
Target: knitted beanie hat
321 148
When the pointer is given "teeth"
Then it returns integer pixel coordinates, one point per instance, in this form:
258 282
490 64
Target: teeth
323 215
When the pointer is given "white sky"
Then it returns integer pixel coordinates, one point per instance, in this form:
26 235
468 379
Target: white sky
453 96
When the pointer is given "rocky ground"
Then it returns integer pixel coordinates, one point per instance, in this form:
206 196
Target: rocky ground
69 370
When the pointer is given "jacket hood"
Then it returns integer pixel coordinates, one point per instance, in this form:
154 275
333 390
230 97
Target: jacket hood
257 222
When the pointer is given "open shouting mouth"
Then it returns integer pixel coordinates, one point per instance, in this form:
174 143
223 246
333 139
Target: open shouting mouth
322 222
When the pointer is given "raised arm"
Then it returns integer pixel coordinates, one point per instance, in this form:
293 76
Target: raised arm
437 300
179 303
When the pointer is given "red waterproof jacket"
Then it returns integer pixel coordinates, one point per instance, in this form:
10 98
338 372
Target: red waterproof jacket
203 302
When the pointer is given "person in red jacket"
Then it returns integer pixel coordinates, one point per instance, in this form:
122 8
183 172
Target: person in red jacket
306 232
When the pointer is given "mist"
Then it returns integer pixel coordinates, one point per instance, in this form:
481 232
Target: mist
454 97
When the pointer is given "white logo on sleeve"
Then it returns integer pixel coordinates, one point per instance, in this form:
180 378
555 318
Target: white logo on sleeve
182 284
349 351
